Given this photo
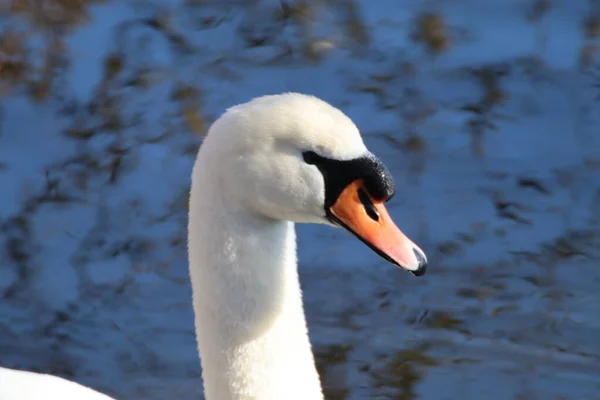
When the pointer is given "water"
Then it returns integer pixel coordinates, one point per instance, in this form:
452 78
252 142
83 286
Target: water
490 132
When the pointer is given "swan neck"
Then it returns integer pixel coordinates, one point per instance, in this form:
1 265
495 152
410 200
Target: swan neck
250 323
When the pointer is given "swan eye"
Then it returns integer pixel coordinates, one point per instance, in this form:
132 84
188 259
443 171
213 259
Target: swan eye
310 157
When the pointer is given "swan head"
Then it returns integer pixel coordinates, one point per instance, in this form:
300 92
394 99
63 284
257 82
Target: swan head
294 157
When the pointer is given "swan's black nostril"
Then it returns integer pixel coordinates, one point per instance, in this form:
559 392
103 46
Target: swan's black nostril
420 271
368 204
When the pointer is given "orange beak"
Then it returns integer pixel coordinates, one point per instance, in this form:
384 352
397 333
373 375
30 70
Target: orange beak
369 220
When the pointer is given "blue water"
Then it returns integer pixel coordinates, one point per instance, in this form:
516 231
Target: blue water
492 140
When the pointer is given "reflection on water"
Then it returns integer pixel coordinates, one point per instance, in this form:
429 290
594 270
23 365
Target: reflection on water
490 133
493 332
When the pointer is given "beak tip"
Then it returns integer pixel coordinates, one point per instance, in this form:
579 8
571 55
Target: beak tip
422 267
421 270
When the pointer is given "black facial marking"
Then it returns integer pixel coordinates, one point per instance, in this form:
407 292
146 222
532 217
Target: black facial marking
339 174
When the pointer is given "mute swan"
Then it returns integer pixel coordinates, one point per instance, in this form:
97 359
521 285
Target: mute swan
263 166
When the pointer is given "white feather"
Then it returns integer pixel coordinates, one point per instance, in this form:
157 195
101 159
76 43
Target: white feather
249 185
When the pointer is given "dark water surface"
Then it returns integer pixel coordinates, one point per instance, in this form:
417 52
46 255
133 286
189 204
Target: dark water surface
486 113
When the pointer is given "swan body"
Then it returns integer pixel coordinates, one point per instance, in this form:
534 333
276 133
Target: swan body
263 166
25 385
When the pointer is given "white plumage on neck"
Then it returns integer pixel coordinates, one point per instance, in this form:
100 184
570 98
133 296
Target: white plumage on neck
250 324
255 175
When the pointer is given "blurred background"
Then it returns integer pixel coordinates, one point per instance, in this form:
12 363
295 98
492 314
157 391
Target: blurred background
487 112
